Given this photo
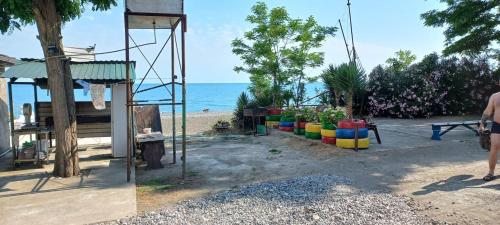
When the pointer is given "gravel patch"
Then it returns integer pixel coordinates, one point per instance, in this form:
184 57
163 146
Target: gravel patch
306 200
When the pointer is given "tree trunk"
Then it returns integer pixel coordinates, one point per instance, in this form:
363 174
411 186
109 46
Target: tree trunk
337 98
60 84
349 105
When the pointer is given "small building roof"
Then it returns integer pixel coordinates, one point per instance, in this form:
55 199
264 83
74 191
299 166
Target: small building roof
92 70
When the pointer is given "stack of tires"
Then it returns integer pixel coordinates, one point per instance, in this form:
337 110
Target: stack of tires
273 118
328 133
313 131
286 123
346 134
299 128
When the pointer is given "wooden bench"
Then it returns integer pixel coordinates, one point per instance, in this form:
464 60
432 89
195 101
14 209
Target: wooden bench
437 133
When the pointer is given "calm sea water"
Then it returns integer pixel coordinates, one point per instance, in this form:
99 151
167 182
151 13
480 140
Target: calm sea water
217 97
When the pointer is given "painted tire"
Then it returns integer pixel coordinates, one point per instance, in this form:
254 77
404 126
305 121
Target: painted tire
349 143
299 131
287 119
272 124
328 140
328 126
286 124
313 128
328 133
349 124
286 129
313 135
301 125
273 118
349 133
274 111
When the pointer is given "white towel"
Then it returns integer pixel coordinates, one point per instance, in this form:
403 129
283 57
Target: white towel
97 94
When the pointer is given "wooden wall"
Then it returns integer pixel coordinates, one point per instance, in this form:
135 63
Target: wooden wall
90 121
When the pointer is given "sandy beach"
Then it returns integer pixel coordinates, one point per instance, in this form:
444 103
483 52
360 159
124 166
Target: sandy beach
197 122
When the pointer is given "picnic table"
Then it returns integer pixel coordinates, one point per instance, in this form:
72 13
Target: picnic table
153 148
437 133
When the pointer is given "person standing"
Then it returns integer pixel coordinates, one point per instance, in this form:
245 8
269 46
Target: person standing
492 112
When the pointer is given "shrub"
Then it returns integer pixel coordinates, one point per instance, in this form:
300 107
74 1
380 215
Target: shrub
434 86
307 114
332 115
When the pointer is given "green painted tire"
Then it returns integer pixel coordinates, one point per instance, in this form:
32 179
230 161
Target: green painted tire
299 131
273 118
287 119
312 135
328 126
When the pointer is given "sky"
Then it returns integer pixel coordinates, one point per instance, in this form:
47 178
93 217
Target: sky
380 29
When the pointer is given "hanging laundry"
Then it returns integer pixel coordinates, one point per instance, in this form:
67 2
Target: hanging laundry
85 85
97 94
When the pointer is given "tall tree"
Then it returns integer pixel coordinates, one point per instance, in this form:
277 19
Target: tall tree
472 26
403 59
49 17
277 49
302 54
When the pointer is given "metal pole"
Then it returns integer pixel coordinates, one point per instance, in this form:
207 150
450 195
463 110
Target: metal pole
11 111
36 103
345 41
172 35
127 73
352 37
183 49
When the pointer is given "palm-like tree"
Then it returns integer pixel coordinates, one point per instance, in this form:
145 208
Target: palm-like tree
328 77
348 78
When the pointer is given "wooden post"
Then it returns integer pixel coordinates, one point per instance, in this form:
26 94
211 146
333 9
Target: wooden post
4 116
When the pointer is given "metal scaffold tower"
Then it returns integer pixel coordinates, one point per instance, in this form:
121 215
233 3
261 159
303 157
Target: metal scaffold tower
157 14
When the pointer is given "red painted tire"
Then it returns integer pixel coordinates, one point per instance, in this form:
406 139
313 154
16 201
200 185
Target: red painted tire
286 129
329 140
274 111
300 125
349 124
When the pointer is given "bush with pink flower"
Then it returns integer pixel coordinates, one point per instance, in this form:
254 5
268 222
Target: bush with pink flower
433 86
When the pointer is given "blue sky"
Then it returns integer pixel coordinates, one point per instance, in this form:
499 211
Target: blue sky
380 28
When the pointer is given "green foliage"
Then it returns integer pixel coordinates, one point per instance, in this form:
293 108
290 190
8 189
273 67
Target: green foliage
276 51
472 26
402 60
242 102
332 115
350 79
307 114
432 87
289 112
17 13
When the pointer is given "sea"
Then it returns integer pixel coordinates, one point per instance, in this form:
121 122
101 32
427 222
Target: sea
216 97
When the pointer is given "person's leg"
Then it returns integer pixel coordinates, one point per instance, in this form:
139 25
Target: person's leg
495 146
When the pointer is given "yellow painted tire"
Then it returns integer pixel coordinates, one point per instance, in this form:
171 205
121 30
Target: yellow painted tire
313 127
349 143
328 133
272 124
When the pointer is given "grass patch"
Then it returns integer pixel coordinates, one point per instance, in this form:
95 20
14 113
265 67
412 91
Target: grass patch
156 185
192 173
275 151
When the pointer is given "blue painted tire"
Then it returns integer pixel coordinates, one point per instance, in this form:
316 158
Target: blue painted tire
349 133
286 124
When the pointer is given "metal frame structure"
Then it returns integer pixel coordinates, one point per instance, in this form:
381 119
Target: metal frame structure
180 20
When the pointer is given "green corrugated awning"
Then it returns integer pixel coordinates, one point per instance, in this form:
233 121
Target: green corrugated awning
93 70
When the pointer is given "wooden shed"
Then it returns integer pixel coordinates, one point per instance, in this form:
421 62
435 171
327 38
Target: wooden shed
109 122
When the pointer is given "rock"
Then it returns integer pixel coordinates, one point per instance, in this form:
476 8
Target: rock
311 199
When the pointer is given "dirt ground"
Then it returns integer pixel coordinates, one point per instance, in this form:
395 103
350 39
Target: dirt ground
443 177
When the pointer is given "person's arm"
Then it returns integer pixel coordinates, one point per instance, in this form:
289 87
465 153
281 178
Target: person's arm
488 113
